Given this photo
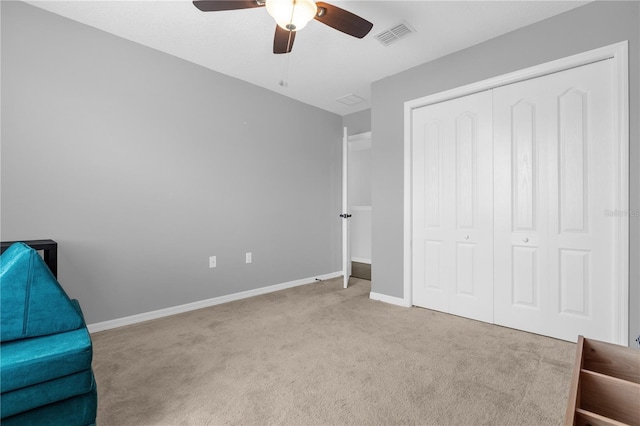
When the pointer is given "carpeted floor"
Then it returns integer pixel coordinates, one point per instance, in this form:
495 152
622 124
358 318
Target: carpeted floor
318 354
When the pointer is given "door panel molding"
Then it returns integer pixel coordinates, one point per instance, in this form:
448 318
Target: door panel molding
524 165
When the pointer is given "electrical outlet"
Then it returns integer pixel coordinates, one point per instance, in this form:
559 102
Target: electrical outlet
247 257
212 262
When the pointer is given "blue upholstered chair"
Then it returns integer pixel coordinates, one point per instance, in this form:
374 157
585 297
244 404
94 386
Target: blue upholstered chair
45 349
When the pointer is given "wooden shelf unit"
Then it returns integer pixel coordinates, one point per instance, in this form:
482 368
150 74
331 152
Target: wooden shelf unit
605 387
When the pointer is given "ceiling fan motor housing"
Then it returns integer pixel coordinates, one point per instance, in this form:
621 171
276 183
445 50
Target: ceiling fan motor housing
292 15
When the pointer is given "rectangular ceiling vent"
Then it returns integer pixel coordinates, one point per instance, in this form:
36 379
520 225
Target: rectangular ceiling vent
394 34
350 99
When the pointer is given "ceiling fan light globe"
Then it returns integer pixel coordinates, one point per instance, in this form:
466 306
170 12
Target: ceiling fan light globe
292 15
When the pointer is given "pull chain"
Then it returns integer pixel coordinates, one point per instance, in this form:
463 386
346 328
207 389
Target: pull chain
284 81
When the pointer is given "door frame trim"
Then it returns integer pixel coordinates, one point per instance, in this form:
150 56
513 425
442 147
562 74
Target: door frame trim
619 53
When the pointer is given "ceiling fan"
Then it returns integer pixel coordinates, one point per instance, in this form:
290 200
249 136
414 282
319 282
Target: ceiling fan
293 15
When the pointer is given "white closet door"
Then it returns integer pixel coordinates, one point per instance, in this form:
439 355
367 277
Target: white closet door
554 174
452 207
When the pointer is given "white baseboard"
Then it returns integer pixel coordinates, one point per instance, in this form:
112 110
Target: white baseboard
134 319
389 299
361 260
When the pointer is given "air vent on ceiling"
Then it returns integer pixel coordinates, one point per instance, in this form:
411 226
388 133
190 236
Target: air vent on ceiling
394 34
350 99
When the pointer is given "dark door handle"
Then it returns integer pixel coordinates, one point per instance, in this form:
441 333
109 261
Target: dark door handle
345 216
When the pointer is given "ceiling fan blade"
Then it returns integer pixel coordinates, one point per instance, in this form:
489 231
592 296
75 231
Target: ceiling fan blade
219 5
342 20
283 40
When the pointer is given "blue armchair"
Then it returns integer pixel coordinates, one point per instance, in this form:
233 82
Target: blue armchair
45 349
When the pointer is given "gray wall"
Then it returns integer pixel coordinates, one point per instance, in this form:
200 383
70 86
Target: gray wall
142 165
360 177
591 26
358 122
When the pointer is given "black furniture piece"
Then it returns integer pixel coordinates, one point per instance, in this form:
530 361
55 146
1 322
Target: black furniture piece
49 248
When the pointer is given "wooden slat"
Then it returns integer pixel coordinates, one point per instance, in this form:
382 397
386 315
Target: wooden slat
587 418
572 402
610 397
612 360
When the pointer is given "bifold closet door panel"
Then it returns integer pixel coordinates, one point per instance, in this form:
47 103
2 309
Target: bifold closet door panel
521 204
555 178
453 206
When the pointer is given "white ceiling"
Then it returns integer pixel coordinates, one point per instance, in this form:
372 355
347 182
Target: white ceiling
325 64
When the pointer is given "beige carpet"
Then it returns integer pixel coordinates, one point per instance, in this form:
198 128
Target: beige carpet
318 354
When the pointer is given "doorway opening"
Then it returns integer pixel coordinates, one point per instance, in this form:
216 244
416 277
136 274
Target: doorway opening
357 205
